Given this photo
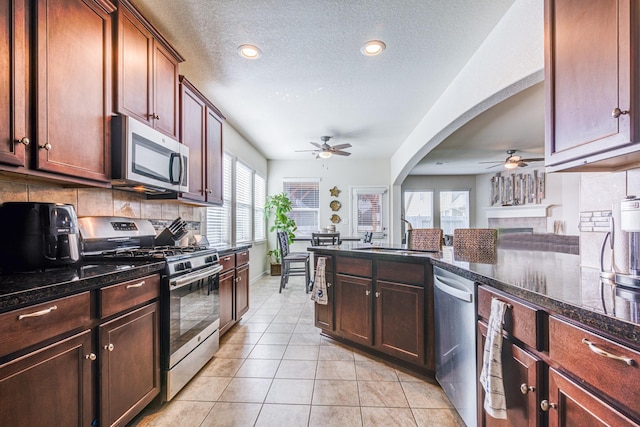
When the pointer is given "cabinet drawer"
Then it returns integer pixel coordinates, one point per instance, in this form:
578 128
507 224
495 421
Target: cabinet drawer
228 262
569 347
117 298
521 320
28 326
242 258
354 266
401 272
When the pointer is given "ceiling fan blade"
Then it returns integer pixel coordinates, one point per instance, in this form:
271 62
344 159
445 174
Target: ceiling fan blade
305 151
490 167
500 161
522 164
536 159
341 153
341 146
315 144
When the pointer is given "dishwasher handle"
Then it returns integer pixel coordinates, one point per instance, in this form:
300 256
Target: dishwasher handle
453 288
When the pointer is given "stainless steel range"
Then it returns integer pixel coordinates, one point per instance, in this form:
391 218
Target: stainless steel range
190 312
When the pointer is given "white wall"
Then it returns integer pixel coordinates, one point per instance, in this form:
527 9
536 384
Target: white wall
562 192
336 171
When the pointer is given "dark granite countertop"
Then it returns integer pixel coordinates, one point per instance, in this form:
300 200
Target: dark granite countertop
225 250
552 280
23 289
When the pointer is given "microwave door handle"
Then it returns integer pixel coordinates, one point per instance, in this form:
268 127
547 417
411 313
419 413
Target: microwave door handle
172 160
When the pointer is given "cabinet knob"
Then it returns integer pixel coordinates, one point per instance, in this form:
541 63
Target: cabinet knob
367 292
328 284
208 191
109 347
46 146
377 294
91 356
545 405
238 279
154 116
524 388
24 141
617 112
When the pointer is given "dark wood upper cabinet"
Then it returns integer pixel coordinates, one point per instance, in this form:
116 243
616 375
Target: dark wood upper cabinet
591 71
201 131
146 72
13 83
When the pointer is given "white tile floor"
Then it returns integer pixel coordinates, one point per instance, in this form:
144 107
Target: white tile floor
275 369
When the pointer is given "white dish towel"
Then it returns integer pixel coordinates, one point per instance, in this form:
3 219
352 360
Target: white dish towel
491 375
319 291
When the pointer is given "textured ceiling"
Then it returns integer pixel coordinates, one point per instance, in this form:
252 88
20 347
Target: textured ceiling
311 79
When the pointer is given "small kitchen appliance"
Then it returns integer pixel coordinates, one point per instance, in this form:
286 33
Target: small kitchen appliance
630 222
189 294
37 236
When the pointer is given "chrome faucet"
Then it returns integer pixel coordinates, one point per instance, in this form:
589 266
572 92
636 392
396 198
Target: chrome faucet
408 234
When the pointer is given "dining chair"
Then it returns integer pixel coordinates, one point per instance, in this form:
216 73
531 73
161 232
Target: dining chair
426 239
293 263
325 239
475 244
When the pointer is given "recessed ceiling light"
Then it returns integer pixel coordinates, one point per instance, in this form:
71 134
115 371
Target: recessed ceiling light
373 48
249 51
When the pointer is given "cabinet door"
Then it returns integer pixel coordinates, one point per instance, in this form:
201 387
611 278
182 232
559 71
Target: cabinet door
165 91
134 64
354 311
214 153
73 90
49 387
324 313
522 376
400 322
13 81
227 285
192 134
242 291
129 360
587 76
571 405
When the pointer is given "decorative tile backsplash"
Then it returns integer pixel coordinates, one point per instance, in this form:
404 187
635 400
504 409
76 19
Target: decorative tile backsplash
598 221
104 202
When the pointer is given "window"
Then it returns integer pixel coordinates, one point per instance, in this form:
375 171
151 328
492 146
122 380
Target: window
369 212
418 208
244 202
259 195
454 210
305 203
218 226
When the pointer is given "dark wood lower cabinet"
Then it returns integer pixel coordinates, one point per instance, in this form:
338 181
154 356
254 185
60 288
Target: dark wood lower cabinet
242 291
571 405
522 375
129 358
354 314
49 387
226 300
400 320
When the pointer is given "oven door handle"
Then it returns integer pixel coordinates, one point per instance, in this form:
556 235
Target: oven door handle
195 276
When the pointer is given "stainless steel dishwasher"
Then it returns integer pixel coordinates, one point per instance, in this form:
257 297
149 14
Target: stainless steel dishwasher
455 322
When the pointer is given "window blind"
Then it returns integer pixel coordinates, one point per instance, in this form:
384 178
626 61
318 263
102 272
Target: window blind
259 195
369 211
218 219
305 204
244 202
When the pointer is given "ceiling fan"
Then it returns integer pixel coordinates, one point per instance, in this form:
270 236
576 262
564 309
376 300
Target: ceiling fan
512 161
325 150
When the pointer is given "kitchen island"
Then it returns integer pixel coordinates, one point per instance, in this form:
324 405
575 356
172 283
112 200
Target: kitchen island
561 331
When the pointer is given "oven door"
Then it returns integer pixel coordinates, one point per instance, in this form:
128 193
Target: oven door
194 311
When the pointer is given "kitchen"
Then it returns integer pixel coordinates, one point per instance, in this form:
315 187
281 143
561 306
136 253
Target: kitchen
473 90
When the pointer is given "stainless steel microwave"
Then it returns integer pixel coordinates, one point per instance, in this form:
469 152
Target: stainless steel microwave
146 160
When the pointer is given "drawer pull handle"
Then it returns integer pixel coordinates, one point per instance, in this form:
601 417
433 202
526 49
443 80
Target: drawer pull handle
545 405
597 350
136 285
524 388
38 313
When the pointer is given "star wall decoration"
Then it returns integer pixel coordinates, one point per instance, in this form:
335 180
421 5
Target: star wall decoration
334 191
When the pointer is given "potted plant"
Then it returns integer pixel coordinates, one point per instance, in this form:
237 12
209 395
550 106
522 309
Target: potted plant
277 207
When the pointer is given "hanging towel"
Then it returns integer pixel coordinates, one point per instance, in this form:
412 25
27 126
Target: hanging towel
319 292
491 375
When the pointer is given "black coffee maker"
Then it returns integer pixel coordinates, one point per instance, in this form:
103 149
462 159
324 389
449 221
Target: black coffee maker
38 236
